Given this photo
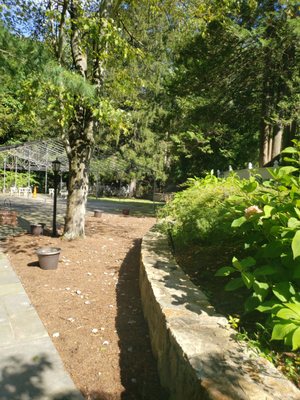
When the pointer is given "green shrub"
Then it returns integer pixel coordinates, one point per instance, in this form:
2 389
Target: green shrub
269 224
200 212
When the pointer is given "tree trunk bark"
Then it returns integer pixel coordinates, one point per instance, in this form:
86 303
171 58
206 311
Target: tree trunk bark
79 150
264 144
277 141
132 187
267 93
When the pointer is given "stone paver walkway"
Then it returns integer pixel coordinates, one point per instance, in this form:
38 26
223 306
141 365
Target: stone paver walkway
30 367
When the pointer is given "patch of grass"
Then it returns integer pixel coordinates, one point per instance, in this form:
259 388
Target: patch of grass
137 207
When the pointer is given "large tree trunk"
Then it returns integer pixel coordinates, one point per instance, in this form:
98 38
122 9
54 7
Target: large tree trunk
79 150
79 140
277 141
267 94
264 144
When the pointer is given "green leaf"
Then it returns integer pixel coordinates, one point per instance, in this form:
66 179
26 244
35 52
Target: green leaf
224 271
297 211
250 187
265 270
296 339
291 160
237 265
247 262
234 284
268 306
285 313
283 291
247 279
294 223
238 222
252 302
267 211
273 249
296 245
294 307
281 330
289 150
286 171
261 288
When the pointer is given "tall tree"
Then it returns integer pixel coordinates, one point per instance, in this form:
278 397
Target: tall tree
88 39
234 85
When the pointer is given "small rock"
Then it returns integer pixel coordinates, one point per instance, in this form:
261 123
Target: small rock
78 291
102 329
71 319
55 334
87 302
105 343
89 273
67 288
95 330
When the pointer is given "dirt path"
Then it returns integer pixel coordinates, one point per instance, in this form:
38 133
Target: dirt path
91 306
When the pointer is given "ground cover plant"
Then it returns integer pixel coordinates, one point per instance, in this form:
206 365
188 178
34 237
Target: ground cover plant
255 225
199 213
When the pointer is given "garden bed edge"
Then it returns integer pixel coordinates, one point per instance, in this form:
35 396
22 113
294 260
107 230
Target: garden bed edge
196 351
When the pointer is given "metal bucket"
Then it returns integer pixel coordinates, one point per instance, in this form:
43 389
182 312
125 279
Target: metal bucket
36 229
98 213
48 257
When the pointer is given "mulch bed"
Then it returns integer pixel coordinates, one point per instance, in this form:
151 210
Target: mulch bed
91 307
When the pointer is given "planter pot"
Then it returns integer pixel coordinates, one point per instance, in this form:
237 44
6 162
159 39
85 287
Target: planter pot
36 229
98 213
48 257
125 211
8 217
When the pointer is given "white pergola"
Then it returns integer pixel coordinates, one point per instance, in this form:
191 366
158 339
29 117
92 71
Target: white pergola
33 156
39 155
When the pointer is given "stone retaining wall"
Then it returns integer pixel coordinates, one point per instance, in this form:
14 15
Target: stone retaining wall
197 355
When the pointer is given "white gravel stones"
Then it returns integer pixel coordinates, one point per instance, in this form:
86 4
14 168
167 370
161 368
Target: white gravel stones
105 343
55 334
95 330
78 291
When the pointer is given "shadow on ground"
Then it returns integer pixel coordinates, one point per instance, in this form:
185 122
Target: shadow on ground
21 380
138 367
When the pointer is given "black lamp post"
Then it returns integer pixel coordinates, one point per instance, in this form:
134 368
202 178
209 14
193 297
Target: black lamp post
56 168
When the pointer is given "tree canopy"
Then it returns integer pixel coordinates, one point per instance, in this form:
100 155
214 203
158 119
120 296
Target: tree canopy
171 89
